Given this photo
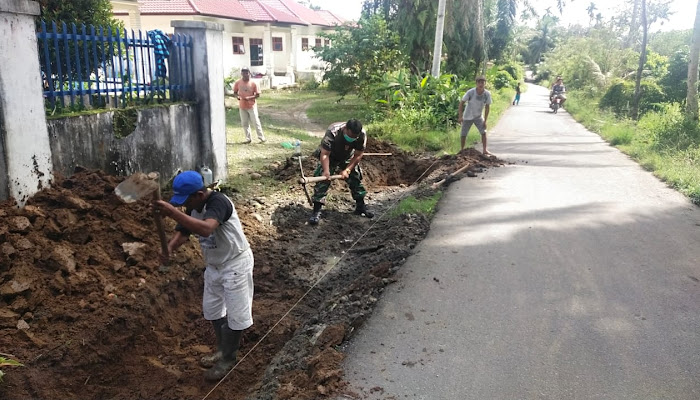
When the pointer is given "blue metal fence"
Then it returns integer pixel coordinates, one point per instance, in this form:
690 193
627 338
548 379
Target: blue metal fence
96 67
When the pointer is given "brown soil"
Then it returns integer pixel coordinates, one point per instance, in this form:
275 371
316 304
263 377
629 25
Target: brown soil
90 312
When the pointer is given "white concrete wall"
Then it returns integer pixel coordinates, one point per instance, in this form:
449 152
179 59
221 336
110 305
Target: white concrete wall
26 151
208 74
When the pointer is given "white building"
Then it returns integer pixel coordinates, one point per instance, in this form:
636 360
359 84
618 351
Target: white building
275 38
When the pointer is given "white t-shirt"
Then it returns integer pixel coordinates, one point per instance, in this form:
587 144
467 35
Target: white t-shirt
475 103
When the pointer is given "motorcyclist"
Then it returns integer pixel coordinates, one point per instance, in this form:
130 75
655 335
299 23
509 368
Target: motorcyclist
558 90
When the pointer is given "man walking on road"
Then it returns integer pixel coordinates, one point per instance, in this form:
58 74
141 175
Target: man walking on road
246 92
341 147
478 99
228 279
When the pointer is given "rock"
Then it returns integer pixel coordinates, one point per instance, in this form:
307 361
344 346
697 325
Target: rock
135 252
7 250
20 305
76 203
65 218
24 244
259 200
8 319
34 211
19 224
117 265
258 217
22 325
63 257
255 176
14 287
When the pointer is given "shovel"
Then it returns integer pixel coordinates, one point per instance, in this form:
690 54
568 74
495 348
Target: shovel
138 186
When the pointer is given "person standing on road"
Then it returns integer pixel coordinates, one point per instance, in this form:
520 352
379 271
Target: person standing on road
478 99
516 101
228 278
341 148
246 92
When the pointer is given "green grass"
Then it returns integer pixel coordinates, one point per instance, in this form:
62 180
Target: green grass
438 140
323 108
331 108
412 205
678 167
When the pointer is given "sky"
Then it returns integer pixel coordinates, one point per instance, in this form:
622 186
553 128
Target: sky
575 11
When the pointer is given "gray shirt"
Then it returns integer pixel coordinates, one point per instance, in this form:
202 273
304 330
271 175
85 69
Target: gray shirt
475 103
228 239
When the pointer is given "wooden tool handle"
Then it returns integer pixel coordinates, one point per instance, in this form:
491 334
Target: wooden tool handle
159 225
318 179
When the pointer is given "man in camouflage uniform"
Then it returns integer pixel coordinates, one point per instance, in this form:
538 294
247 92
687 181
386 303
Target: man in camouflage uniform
341 149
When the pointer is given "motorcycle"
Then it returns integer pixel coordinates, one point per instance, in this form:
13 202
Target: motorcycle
555 104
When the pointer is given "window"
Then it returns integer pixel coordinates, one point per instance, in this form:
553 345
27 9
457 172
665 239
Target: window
304 44
238 45
256 52
277 44
318 42
326 42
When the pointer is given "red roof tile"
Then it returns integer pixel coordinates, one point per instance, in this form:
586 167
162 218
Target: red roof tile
280 13
222 8
284 11
302 12
166 7
255 10
331 18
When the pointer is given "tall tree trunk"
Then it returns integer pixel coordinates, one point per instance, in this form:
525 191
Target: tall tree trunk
481 34
634 28
642 61
437 48
691 102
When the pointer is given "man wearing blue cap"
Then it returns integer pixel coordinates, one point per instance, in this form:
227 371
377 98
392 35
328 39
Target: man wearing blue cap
228 279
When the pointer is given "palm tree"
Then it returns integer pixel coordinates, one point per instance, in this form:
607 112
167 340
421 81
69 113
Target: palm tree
591 12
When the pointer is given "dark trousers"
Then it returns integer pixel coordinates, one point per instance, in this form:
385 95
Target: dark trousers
354 182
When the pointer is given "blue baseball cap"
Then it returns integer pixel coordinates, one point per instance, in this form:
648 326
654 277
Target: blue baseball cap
184 185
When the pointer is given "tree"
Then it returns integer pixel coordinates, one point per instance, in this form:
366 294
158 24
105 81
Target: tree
88 12
543 39
692 97
97 13
360 56
500 25
591 12
642 61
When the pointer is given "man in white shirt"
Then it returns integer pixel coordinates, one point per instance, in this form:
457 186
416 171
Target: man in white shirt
478 100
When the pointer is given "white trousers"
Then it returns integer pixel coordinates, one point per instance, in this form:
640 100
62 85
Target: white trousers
228 292
251 115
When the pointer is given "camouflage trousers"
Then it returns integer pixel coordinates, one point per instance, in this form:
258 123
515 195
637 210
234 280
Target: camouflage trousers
354 182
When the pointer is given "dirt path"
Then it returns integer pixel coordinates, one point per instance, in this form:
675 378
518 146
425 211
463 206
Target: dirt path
296 115
88 309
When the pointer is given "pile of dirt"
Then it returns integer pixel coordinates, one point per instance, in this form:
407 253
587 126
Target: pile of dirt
89 310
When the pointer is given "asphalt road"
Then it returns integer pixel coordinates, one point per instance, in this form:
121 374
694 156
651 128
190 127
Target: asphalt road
570 274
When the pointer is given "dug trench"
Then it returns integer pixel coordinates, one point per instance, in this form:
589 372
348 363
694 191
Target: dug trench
89 310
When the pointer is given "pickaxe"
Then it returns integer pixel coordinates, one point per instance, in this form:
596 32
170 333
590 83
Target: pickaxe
304 180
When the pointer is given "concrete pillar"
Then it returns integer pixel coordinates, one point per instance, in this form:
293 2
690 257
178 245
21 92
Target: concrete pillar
296 44
25 150
207 57
268 54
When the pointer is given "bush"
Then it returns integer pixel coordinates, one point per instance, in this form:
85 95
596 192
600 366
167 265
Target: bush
670 129
502 79
515 71
620 96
